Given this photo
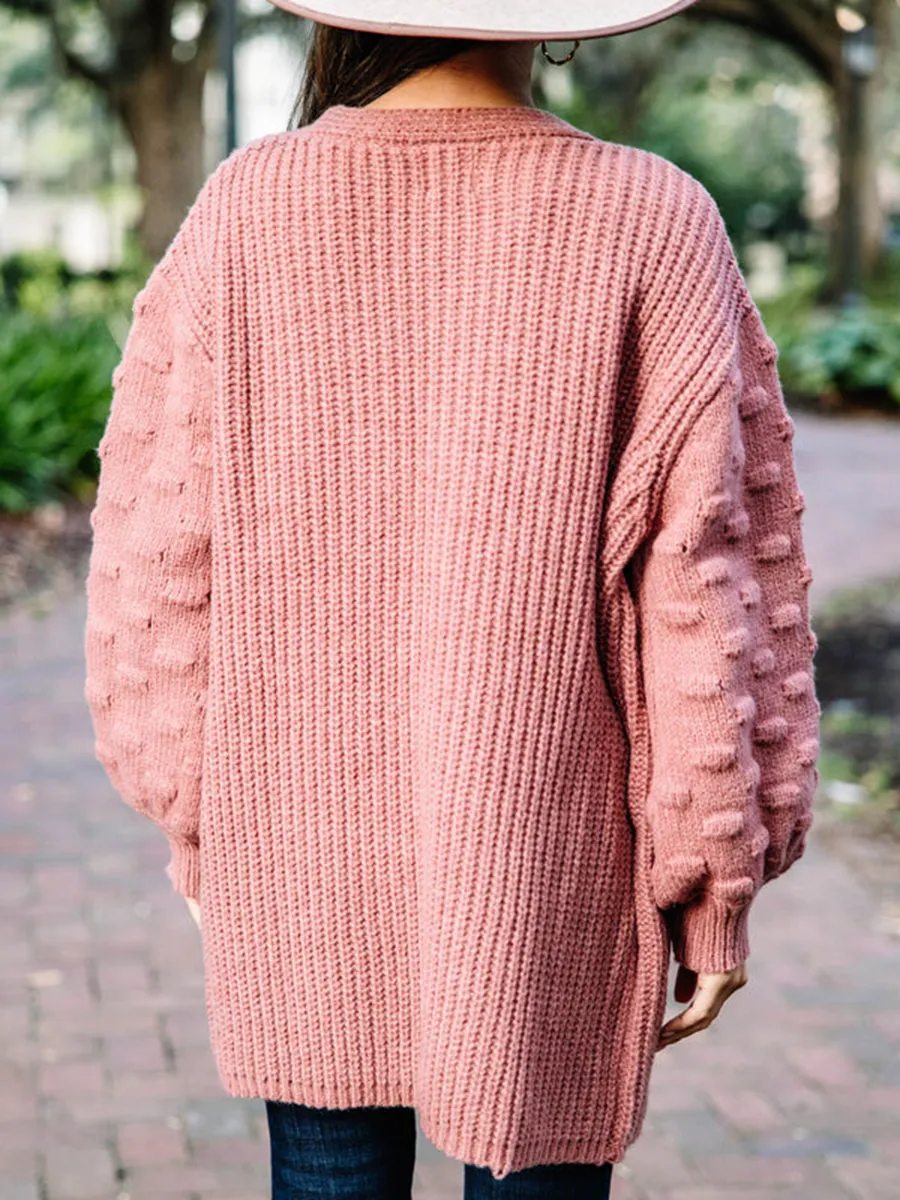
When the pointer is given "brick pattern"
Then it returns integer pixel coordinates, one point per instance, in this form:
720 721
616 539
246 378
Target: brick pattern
107 1086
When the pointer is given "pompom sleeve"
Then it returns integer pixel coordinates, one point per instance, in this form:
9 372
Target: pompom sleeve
149 579
727 660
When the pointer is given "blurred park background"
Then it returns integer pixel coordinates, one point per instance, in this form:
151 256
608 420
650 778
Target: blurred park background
112 114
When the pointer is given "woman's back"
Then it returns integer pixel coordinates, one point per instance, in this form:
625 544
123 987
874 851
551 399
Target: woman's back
419 388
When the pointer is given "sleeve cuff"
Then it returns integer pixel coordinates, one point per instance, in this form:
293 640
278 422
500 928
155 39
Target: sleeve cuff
707 937
183 869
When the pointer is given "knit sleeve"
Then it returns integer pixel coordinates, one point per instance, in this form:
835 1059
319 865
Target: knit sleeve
727 654
149 578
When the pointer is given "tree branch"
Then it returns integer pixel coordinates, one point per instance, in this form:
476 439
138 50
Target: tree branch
33 8
74 63
157 23
809 30
250 25
208 37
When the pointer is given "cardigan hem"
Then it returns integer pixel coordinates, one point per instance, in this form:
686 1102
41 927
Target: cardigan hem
551 1149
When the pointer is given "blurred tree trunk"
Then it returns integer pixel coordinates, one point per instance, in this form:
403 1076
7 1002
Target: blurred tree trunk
162 111
128 51
858 139
810 28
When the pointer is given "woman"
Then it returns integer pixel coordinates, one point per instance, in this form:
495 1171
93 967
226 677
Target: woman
447 609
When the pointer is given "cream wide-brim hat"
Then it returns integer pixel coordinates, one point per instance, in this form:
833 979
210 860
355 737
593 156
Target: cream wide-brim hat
502 20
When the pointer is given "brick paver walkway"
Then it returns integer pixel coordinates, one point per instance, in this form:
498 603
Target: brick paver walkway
108 1087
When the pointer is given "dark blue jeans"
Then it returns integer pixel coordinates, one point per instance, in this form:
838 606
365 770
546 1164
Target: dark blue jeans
369 1154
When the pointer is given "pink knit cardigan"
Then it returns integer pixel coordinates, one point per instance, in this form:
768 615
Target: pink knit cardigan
448 612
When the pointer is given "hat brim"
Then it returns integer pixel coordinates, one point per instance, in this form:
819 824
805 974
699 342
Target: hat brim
511 20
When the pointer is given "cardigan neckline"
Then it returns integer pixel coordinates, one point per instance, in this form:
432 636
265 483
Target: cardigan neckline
449 123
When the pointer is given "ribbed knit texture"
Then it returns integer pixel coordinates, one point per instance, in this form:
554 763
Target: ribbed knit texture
447 610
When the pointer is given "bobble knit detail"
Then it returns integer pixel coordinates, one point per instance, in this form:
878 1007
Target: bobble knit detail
447 612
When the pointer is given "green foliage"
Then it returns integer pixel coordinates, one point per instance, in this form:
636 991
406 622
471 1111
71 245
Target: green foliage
61 335
839 357
40 282
832 356
862 732
857 351
858 685
837 766
720 103
746 157
55 392
862 748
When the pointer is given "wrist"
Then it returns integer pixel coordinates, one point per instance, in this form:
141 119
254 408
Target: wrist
183 869
708 937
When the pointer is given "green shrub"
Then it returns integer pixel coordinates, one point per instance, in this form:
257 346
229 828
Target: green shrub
61 334
834 356
55 393
747 157
41 283
851 352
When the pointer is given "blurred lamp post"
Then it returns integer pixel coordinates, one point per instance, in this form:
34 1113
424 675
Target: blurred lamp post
228 43
860 52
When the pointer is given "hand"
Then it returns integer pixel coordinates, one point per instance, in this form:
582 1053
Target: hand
195 909
712 992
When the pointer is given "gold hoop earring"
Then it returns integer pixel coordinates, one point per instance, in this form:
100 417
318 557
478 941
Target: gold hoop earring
558 62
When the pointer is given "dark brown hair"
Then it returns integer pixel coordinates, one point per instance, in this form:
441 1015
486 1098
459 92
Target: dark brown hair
347 66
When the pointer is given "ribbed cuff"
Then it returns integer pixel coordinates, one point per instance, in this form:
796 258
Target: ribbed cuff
183 869
707 938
